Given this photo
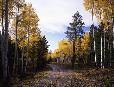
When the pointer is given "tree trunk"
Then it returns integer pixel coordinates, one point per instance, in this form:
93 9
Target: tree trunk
5 44
113 32
94 46
110 55
73 58
2 37
113 44
101 51
104 49
27 50
22 68
16 50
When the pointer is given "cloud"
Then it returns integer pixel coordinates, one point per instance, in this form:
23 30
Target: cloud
58 12
55 16
53 28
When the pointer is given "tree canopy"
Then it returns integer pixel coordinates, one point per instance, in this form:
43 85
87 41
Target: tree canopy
102 9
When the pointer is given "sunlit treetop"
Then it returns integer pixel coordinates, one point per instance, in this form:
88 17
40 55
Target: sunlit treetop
102 9
27 24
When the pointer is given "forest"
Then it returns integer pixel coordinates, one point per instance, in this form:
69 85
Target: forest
24 51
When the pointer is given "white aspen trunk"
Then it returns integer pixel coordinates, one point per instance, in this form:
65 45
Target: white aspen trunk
94 46
95 59
95 51
2 37
113 43
104 50
101 52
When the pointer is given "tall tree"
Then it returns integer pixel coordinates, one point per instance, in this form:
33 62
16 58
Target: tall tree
93 44
75 31
42 51
101 27
27 28
104 11
5 44
18 6
6 12
0 56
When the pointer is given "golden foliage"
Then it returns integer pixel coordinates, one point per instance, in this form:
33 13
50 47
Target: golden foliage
27 26
85 44
65 48
102 9
12 6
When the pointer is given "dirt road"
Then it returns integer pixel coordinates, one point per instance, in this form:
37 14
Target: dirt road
58 77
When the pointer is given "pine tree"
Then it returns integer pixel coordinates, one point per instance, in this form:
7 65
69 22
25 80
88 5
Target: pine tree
75 31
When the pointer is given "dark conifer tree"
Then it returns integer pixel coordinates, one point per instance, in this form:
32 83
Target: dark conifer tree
74 31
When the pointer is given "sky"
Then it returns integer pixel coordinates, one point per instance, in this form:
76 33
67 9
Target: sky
55 16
